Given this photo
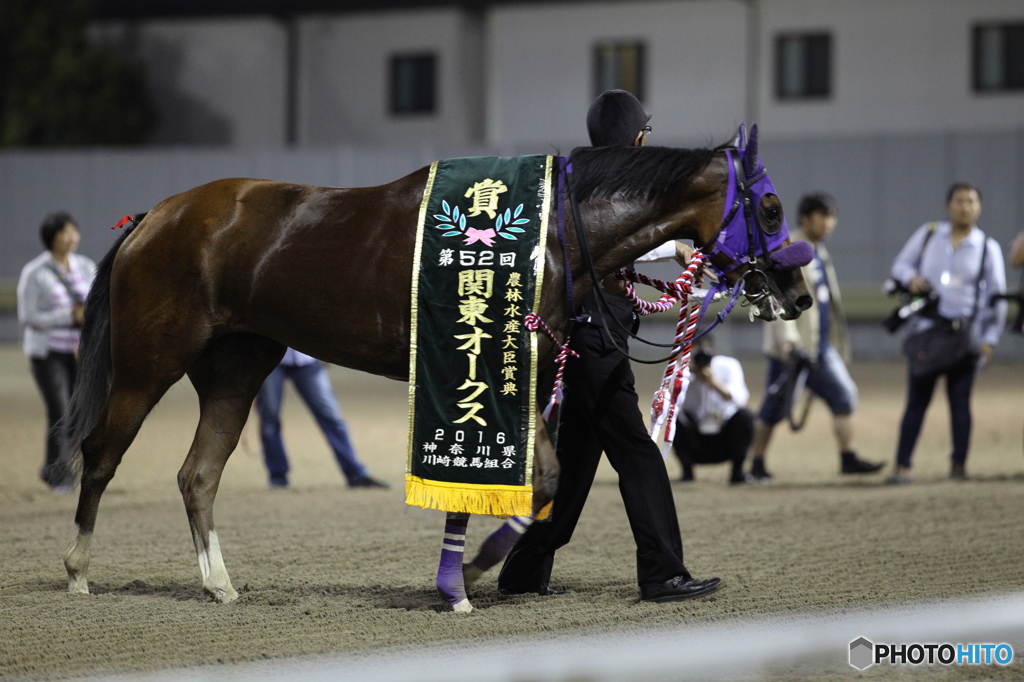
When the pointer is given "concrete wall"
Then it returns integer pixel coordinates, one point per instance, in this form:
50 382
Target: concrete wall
886 185
541 68
522 75
344 81
216 81
899 66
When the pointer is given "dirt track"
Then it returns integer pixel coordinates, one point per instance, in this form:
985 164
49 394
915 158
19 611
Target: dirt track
324 569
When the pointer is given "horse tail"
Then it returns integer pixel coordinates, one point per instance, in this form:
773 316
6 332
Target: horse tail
95 367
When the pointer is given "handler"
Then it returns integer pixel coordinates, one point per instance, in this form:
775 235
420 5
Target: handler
601 413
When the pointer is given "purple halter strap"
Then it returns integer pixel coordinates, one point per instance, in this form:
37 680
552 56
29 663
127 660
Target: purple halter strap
741 238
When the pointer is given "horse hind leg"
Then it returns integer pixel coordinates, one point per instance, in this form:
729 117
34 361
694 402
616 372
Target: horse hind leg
227 377
102 450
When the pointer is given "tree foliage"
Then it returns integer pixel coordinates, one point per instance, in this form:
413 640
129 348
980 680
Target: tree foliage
56 89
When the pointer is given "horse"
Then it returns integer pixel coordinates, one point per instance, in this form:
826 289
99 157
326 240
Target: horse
216 282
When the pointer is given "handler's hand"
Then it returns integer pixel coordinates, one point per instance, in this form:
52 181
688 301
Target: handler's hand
986 355
683 254
1017 252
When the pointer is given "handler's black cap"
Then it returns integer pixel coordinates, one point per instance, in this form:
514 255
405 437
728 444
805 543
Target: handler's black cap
615 119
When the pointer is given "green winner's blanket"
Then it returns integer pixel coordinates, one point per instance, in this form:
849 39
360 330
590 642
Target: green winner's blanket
477 272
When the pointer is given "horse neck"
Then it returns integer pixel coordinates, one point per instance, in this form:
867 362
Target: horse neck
621 229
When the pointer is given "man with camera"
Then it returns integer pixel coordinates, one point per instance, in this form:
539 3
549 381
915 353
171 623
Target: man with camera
714 425
958 271
817 339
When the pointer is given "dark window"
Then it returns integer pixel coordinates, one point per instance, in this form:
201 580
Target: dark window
803 66
998 57
619 66
413 84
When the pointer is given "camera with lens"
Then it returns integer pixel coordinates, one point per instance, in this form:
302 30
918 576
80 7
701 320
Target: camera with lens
701 359
924 304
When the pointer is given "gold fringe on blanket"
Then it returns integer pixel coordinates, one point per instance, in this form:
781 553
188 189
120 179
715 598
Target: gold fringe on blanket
495 500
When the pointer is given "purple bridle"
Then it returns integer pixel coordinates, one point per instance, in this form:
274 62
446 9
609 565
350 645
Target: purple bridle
741 238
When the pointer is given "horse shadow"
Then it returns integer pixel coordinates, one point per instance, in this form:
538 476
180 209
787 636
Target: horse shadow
400 598
173 591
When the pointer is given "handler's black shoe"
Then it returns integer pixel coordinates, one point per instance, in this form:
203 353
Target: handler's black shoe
368 482
677 589
852 464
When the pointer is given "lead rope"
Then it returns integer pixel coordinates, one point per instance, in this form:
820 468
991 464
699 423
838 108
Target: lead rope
669 396
533 323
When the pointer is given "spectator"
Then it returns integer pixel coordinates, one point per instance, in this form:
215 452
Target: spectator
819 336
313 384
52 290
714 425
1017 252
962 268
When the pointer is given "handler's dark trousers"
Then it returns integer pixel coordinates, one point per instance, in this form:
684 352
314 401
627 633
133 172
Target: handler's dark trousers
601 412
729 444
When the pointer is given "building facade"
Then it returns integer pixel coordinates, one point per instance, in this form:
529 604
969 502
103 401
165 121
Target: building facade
520 74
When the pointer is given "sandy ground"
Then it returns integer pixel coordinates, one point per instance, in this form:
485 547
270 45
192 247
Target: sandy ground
324 569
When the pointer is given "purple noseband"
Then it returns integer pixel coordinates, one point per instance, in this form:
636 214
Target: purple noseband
793 256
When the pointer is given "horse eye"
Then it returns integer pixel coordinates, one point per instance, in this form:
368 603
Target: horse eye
770 213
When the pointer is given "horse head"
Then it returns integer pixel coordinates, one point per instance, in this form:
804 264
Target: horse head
751 246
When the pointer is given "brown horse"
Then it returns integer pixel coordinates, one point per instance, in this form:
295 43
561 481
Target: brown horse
217 281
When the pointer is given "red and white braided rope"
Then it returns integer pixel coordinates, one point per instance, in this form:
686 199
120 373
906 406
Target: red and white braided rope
676 379
533 322
672 292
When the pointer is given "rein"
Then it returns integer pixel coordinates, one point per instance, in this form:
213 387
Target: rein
676 375
755 283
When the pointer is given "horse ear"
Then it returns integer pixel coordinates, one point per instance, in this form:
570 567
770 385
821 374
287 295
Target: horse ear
750 154
740 141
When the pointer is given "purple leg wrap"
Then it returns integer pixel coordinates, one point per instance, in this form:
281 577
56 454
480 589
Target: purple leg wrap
449 572
499 543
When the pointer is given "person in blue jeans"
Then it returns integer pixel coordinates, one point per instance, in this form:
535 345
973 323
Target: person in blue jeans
312 383
820 336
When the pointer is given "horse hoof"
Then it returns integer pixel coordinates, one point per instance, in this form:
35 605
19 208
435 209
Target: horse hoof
470 574
77 585
462 606
223 595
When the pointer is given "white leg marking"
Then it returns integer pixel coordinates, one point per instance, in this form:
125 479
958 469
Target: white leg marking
215 574
462 607
76 561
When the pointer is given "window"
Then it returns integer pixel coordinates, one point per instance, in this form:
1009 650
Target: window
413 82
803 66
999 57
619 66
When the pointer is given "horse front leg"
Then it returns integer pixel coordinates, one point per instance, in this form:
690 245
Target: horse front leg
450 582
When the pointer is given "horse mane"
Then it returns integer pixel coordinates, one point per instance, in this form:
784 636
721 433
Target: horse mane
634 171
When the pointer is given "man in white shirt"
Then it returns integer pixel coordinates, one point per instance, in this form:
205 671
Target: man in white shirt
714 425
